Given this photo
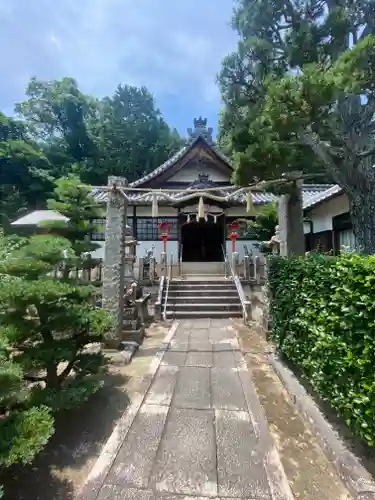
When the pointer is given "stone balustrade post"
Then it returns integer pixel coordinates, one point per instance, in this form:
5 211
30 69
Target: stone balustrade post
114 253
246 267
235 262
141 265
163 264
152 269
257 270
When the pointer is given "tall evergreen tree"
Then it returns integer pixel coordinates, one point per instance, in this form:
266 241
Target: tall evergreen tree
298 95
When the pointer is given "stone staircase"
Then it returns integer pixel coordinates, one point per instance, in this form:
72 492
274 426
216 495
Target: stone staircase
202 298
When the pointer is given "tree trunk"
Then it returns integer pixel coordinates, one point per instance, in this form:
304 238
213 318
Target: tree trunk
362 212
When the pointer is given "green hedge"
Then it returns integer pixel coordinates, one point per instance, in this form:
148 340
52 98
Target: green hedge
323 319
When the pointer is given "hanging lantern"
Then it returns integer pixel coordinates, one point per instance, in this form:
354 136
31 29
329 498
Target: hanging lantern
155 207
234 233
164 229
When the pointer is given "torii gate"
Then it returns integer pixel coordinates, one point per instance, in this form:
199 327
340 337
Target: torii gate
115 276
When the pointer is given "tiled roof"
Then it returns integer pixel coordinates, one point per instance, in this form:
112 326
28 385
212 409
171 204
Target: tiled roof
310 191
325 195
162 168
177 156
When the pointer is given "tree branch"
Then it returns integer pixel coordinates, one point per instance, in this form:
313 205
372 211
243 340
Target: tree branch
364 154
32 378
66 370
320 149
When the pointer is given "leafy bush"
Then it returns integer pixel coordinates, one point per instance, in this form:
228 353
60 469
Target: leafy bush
323 319
48 322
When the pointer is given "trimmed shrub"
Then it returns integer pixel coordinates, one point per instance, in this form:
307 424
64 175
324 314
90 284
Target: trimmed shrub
323 320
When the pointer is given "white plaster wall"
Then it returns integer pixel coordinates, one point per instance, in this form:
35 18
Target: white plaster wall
142 247
147 211
237 212
190 173
172 248
240 247
322 215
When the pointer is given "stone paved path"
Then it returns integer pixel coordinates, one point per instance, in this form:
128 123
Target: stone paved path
200 431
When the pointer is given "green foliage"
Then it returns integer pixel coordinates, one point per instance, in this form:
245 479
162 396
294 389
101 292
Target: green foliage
323 320
73 199
64 131
24 434
24 427
299 96
123 134
47 324
24 169
264 225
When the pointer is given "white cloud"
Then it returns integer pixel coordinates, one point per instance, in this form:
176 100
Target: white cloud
172 47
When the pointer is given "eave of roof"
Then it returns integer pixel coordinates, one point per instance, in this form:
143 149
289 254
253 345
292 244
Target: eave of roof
321 197
37 216
164 167
310 191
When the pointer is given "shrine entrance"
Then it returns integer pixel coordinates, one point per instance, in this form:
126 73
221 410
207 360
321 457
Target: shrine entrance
202 241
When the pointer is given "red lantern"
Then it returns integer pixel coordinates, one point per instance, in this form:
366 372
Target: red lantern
234 234
164 229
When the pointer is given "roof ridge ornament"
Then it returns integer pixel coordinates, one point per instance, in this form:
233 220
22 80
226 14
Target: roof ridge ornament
200 130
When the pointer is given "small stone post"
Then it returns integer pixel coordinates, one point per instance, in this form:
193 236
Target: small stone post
114 252
152 269
235 262
246 267
163 264
292 238
257 270
141 269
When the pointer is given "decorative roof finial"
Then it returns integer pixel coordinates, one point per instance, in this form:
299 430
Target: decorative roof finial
200 123
200 130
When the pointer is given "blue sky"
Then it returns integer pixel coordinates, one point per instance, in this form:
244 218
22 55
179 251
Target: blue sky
174 47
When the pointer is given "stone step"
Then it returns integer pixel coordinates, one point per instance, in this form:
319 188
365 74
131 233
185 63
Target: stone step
207 306
203 299
203 284
195 293
203 314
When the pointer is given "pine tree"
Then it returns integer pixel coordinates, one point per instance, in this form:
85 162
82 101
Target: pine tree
299 95
47 322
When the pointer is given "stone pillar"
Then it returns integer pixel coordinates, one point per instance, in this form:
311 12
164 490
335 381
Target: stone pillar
290 212
114 252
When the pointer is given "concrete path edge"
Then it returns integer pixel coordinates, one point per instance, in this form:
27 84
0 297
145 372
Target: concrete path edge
94 481
356 478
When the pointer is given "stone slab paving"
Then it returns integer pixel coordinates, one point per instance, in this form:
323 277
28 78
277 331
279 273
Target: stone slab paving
199 432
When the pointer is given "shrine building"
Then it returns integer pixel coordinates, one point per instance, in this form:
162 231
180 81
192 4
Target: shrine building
196 199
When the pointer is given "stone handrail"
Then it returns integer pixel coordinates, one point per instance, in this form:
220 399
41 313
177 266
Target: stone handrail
169 277
159 298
